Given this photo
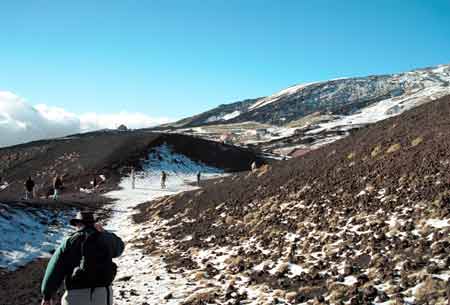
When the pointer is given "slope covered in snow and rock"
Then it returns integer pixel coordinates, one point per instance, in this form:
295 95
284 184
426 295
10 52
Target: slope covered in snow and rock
34 228
339 96
324 111
29 232
364 220
108 153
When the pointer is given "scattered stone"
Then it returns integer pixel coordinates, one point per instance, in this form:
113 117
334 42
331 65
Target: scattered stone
124 278
168 296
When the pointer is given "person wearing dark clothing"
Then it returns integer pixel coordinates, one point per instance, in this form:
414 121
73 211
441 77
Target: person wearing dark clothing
57 187
163 179
84 262
199 175
29 186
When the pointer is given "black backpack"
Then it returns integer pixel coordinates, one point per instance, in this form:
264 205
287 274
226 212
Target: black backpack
96 267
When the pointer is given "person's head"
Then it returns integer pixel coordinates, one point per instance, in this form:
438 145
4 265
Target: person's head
83 219
79 225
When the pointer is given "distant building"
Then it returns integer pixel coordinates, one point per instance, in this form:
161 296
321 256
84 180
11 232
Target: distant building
122 128
227 138
257 132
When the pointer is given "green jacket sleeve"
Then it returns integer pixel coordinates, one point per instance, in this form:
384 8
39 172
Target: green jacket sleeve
55 272
117 245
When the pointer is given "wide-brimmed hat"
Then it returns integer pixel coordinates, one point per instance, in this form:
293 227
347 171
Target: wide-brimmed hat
84 218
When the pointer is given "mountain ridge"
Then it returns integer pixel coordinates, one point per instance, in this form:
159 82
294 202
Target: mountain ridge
339 96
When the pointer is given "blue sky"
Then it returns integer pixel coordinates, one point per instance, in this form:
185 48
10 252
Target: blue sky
177 58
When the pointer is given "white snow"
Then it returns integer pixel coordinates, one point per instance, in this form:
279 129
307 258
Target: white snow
297 269
224 117
28 233
438 223
350 280
143 269
382 110
275 97
231 115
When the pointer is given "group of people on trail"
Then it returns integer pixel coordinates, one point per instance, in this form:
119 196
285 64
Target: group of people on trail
163 179
84 261
30 185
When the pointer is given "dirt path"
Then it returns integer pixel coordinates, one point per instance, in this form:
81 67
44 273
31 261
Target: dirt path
143 278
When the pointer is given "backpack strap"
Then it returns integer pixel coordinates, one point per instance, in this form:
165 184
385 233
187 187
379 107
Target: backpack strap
85 237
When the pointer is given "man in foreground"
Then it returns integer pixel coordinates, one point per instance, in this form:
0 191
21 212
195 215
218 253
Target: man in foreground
84 262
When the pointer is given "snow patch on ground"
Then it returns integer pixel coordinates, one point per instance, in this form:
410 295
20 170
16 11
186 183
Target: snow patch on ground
438 223
29 233
231 115
275 97
225 117
3 186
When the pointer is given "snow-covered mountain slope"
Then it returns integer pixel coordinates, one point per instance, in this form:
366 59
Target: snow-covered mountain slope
342 96
382 110
28 233
308 116
279 95
221 113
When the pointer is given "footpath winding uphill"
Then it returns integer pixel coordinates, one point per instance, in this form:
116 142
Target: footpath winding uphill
144 279
31 230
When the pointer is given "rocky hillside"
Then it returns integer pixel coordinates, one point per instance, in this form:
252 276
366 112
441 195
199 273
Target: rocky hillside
304 117
105 153
338 97
364 220
223 112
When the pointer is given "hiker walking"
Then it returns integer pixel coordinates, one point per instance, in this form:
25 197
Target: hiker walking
199 174
29 186
95 182
84 262
133 179
163 179
57 187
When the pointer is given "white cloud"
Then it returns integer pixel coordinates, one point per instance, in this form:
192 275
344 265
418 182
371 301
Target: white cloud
93 121
20 122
